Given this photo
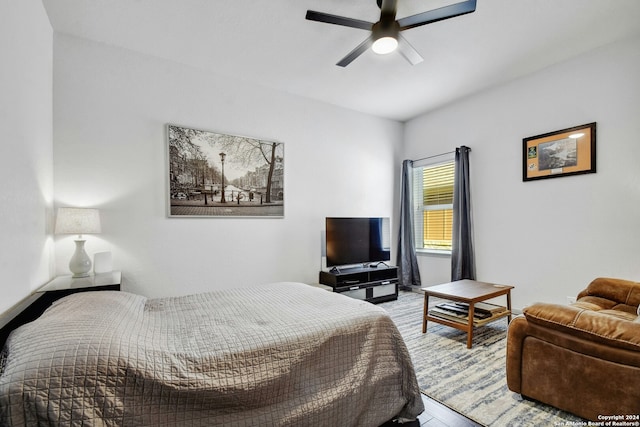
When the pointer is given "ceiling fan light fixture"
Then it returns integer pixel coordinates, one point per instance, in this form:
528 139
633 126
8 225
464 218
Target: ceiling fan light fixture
385 45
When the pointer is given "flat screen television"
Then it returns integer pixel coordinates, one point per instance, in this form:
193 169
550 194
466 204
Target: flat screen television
357 241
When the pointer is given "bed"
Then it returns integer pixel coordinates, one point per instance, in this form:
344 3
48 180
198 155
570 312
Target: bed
283 354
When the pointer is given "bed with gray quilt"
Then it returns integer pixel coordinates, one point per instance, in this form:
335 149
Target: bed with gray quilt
283 354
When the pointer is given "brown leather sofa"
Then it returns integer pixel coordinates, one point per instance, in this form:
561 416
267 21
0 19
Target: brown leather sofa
583 358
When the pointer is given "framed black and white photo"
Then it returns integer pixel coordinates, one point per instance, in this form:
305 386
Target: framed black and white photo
213 174
565 152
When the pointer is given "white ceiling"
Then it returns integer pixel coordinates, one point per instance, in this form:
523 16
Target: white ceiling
270 43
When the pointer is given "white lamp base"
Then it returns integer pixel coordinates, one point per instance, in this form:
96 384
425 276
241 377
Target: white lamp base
80 263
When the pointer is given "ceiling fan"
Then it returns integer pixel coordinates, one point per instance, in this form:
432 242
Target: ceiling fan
385 34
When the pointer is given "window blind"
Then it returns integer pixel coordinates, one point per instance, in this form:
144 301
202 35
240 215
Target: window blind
438 184
433 205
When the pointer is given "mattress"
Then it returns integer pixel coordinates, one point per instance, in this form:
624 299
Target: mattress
282 354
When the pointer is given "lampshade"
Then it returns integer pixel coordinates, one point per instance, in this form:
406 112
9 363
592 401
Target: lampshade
77 221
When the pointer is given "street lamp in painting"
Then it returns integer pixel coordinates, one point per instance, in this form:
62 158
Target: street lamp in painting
222 156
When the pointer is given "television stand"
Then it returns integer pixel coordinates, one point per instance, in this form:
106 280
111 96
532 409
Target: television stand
373 284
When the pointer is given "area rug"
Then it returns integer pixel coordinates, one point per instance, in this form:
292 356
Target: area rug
469 381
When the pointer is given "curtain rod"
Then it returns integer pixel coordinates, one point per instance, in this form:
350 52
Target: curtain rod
437 155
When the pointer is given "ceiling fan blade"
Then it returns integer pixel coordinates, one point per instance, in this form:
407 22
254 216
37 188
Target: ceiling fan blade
312 15
359 50
436 15
408 51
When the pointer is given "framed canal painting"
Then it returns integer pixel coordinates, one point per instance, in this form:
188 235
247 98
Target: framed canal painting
214 174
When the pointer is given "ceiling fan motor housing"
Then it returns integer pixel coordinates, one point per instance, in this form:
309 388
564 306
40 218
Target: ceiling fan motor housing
385 28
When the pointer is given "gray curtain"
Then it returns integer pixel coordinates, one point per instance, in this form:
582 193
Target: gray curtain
462 257
408 273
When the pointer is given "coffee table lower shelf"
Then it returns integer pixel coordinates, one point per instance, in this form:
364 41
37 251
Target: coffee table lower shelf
469 292
463 324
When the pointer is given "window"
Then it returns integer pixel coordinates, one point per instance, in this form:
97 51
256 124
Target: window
433 205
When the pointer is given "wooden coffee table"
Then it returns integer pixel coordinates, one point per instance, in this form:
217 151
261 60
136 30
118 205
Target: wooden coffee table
469 292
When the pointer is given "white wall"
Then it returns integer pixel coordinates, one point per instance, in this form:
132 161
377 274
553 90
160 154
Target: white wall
110 111
549 238
26 159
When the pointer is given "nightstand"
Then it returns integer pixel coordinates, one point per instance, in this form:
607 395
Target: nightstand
61 286
96 282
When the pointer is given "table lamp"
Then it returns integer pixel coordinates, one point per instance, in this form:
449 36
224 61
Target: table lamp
78 221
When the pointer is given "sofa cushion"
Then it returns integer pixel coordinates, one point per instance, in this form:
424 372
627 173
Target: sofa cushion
604 290
597 303
608 326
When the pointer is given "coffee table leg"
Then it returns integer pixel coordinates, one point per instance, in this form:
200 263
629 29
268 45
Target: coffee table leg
472 310
509 306
424 313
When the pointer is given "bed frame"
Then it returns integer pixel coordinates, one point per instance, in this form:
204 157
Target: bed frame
23 312
30 308
35 304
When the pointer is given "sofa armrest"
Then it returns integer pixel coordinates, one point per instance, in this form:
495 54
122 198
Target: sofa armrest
605 326
518 331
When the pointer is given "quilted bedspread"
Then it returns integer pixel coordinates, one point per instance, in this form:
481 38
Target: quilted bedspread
283 354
